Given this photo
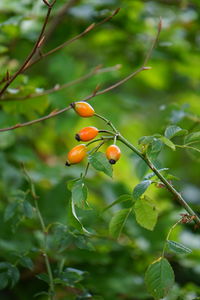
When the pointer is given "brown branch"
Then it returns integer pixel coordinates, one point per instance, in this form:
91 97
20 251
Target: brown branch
77 37
58 17
43 55
33 51
58 87
94 94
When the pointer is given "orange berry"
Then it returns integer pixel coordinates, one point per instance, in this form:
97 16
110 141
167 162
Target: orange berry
113 154
76 154
83 109
87 134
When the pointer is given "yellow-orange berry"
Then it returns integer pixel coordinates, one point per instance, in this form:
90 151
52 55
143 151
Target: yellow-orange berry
83 109
113 154
87 134
76 155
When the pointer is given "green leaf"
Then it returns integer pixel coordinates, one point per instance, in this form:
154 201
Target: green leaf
146 213
178 248
141 188
3 280
72 218
117 222
121 199
10 211
173 131
26 262
71 183
192 138
150 175
141 168
28 209
99 162
168 143
79 194
159 278
14 275
44 277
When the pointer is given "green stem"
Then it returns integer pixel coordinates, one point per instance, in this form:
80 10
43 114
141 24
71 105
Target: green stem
188 147
170 188
107 122
103 138
168 235
45 232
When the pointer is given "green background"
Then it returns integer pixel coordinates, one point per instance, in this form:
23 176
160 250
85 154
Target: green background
165 95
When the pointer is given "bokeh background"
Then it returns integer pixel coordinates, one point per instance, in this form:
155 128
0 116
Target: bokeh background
167 94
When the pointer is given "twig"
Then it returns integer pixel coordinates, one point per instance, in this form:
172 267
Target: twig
58 87
55 113
58 17
28 64
77 37
33 51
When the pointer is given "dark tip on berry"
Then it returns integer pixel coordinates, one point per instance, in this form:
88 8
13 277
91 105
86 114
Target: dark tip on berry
112 161
77 137
67 164
72 104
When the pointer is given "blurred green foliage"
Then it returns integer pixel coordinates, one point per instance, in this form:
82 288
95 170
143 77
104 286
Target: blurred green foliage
100 267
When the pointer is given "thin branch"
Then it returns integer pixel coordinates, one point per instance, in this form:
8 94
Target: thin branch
33 51
58 17
77 37
58 87
29 63
55 113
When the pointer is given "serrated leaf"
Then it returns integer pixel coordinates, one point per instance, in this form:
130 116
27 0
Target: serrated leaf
99 162
117 222
173 130
10 211
26 262
44 277
71 183
27 209
146 213
145 140
168 143
14 275
141 168
159 278
150 175
192 138
121 199
141 188
79 194
178 248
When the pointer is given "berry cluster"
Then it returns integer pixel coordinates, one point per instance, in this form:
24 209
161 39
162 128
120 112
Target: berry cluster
79 152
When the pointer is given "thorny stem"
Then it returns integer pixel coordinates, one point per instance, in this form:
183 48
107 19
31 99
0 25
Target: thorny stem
107 122
44 230
167 184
